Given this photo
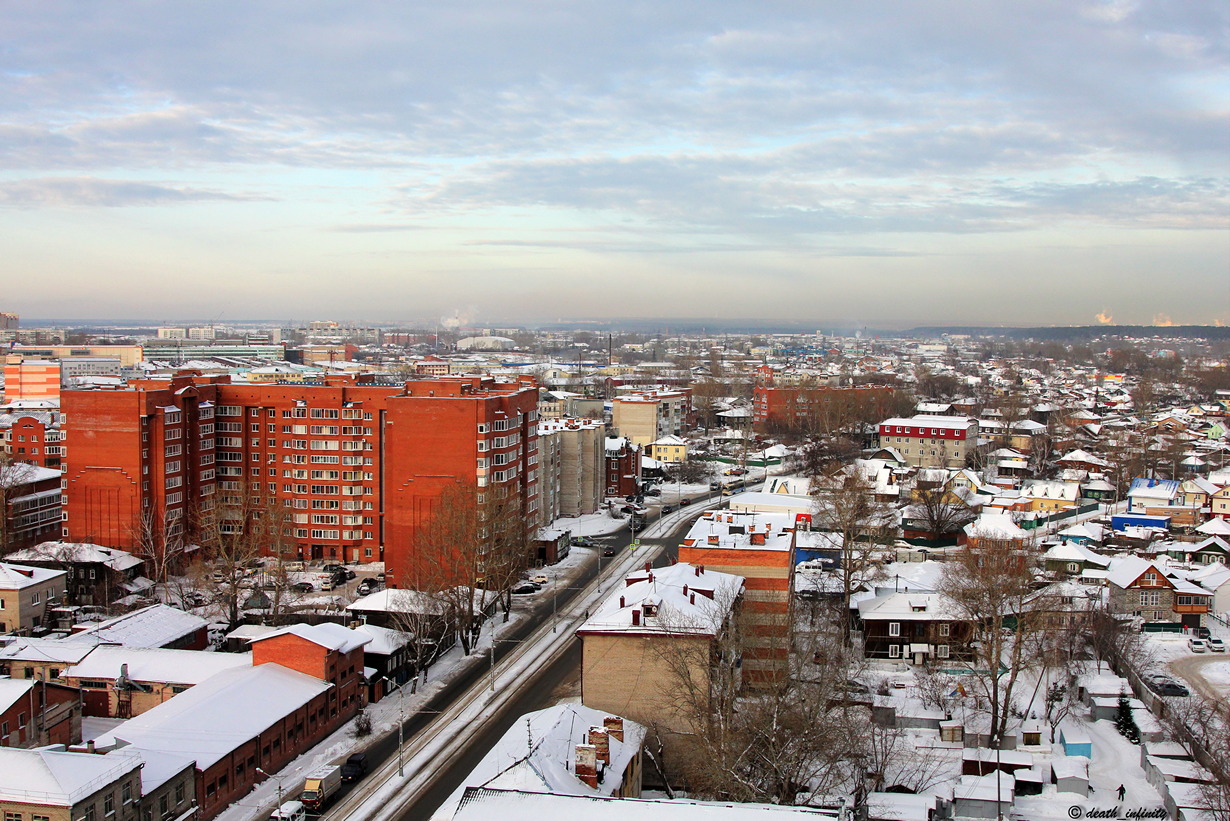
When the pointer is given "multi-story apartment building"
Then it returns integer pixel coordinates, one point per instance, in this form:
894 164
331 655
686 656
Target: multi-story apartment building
27 595
33 437
359 465
647 417
30 509
931 441
811 407
578 445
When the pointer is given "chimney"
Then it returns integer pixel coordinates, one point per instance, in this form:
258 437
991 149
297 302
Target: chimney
587 764
758 538
648 567
696 570
601 743
713 540
691 598
614 727
89 746
636 618
685 590
622 604
651 578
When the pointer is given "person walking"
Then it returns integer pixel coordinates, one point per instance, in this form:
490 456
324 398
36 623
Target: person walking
1122 792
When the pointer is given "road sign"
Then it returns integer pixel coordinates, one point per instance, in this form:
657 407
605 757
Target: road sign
636 542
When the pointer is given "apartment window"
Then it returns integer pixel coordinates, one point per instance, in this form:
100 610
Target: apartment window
126 792
109 804
179 792
894 651
894 628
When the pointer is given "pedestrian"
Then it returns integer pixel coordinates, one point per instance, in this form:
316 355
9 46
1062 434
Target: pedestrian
1122 792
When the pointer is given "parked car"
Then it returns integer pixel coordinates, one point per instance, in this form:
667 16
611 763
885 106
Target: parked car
715 485
1166 686
652 491
327 584
524 588
355 767
195 598
539 578
332 567
582 541
1196 645
303 587
366 587
1215 644
1202 633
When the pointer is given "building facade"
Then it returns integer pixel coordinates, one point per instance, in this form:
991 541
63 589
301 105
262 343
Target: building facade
647 417
359 465
931 441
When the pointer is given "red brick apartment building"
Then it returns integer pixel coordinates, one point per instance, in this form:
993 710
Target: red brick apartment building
797 405
361 465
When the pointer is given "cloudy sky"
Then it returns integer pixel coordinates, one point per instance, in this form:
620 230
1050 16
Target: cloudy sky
882 163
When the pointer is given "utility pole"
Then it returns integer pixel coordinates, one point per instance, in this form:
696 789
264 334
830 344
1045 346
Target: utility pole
401 723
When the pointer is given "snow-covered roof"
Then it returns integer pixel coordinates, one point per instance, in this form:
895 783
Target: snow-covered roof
18 577
215 717
679 599
327 634
537 753
12 689
396 600
1073 552
481 804
46 651
155 664
22 473
382 640
732 529
58 779
995 526
77 553
155 626
911 606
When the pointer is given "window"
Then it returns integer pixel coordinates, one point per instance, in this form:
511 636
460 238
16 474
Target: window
179 792
894 628
942 651
109 804
1150 598
894 651
945 629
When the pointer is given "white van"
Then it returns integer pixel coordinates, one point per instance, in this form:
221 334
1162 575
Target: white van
289 811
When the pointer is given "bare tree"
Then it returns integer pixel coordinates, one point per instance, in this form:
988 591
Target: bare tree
236 528
160 543
469 543
1204 725
990 583
939 512
845 505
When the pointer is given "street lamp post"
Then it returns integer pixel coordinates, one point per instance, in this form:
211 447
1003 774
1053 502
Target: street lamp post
277 779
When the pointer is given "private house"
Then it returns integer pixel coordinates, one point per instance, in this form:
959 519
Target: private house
158 625
1073 559
1142 589
668 449
1050 497
42 659
95 574
915 627
27 595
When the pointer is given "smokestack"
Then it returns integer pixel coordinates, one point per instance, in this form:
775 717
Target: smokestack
614 727
685 590
622 603
587 764
636 618
601 743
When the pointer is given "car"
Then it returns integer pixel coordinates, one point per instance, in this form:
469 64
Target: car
380 576
355 767
652 491
685 501
1202 633
327 584
303 587
1166 686
582 541
365 587
524 588
608 552
332 567
1197 645
715 485
540 578
195 598
668 509
1215 644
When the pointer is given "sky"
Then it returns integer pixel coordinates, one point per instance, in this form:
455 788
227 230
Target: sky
886 164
